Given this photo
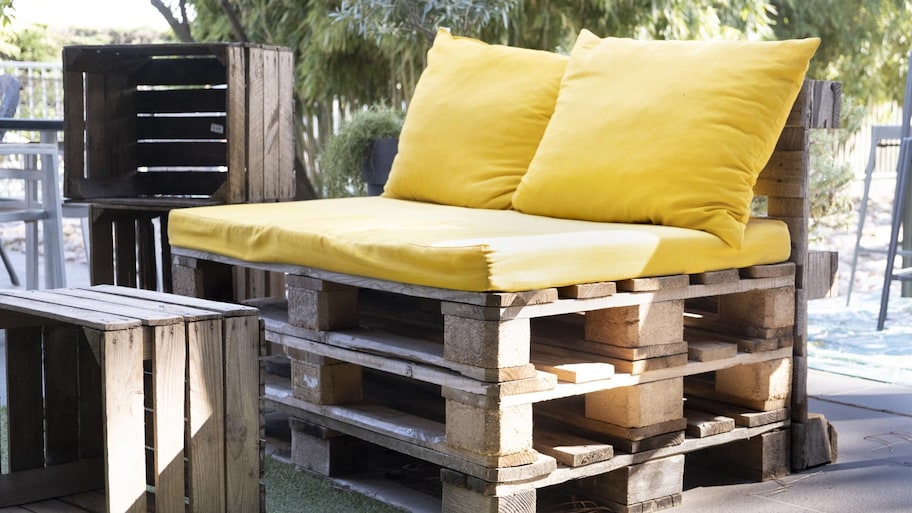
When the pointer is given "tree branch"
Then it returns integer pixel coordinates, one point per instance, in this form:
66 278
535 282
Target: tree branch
181 28
236 26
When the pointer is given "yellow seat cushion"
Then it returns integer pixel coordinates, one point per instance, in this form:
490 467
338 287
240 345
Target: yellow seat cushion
462 248
664 132
474 122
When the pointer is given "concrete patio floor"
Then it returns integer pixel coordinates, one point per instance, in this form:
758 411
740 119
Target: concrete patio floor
873 473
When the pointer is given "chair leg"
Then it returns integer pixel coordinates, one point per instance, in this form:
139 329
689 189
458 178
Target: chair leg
902 183
14 278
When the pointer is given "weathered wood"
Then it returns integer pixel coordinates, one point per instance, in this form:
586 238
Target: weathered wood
500 437
638 405
767 383
818 445
648 324
168 369
327 455
821 274
760 458
741 416
460 494
125 480
570 450
624 488
708 350
702 424
25 407
486 344
43 483
205 415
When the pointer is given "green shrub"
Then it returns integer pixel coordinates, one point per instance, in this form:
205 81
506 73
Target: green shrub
340 161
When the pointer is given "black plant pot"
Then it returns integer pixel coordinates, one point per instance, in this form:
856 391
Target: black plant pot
377 165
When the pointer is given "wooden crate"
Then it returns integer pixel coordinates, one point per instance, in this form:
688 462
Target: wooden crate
173 124
513 392
149 128
125 391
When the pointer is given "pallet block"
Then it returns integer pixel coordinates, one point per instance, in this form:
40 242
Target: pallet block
324 451
642 488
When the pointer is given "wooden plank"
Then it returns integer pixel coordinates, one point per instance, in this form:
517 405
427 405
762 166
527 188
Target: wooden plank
198 127
122 377
147 253
44 483
181 302
708 350
638 405
206 416
74 127
570 450
821 274
26 402
588 290
176 153
768 271
286 135
255 129
572 367
198 71
242 413
648 364
167 101
701 424
101 232
168 370
91 406
486 344
125 251
89 501
715 277
742 416
640 483
238 152
271 132
88 305
569 414
61 393
651 284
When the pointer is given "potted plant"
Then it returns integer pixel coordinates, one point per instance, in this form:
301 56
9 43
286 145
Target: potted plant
357 159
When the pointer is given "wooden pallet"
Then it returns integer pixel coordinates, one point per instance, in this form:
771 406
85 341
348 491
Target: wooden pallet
513 392
128 391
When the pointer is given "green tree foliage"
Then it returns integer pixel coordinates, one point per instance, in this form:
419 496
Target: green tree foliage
6 12
865 43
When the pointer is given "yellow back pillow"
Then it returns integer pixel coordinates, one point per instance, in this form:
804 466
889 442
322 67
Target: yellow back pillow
474 122
664 132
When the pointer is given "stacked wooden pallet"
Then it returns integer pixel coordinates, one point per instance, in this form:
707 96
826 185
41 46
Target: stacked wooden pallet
608 385
150 398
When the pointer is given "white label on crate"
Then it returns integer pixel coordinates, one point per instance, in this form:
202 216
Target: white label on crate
216 128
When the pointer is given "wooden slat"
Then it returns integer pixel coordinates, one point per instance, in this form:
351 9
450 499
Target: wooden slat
61 393
91 418
204 70
125 251
170 101
286 133
44 483
238 113
205 416
701 424
168 370
147 255
567 449
242 412
255 127
181 127
26 401
181 153
73 124
271 131
122 378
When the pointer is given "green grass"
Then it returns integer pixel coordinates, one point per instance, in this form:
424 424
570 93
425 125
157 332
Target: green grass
292 491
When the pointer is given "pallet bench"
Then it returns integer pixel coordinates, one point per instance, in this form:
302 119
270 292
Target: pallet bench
605 384
112 388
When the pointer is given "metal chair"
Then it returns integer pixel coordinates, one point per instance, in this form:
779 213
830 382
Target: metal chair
40 200
900 202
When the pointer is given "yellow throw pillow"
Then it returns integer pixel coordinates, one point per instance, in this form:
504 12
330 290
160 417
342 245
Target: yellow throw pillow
664 132
474 122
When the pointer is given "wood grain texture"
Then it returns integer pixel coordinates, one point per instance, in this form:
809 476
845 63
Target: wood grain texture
168 384
206 417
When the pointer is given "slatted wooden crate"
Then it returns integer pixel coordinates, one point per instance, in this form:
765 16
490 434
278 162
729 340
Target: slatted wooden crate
149 128
603 384
77 421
